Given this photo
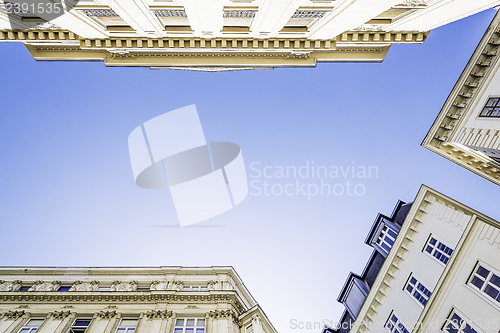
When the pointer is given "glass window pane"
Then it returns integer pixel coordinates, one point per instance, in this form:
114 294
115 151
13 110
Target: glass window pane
200 330
189 330
178 330
179 322
495 279
35 322
189 322
201 322
483 272
495 112
129 322
477 282
491 291
492 102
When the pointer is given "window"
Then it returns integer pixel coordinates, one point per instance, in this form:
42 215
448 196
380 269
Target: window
438 250
456 324
79 326
417 290
195 288
189 325
486 281
386 238
249 329
127 326
31 326
394 325
492 108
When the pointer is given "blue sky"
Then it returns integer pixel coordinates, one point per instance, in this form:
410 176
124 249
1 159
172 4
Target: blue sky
69 199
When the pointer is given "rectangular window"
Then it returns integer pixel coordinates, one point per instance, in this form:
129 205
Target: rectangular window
127 325
394 325
386 238
492 108
249 329
438 250
487 281
456 324
80 326
189 325
417 290
31 326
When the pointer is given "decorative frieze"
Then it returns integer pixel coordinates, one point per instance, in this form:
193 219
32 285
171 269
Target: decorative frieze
177 285
85 286
99 12
309 13
106 314
60 314
159 285
10 285
239 13
13 315
169 12
123 286
45 286
158 314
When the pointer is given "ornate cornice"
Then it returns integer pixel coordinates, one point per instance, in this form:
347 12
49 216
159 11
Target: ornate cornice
221 314
228 297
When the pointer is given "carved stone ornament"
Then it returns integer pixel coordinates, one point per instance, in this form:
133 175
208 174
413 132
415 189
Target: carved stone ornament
177 285
10 285
85 286
45 286
416 3
222 314
106 314
13 315
60 314
190 306
157 314
159 285
212 285
123 286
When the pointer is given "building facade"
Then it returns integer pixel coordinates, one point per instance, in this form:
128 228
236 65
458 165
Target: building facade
467 129
126 300
441 272
227 34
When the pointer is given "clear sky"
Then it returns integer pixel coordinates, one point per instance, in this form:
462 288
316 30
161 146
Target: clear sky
68 197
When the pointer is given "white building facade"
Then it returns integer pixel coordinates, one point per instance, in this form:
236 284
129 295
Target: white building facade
442 273
467 130
126 300
228 34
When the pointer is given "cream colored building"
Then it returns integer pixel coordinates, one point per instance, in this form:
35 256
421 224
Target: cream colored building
125 300
231 34
442 273
467 130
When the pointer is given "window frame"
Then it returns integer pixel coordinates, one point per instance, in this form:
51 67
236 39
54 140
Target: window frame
415 288
195 327
395 325
380 232
493 107
25 325
481 291
461 316
70 329
128 329
436 249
